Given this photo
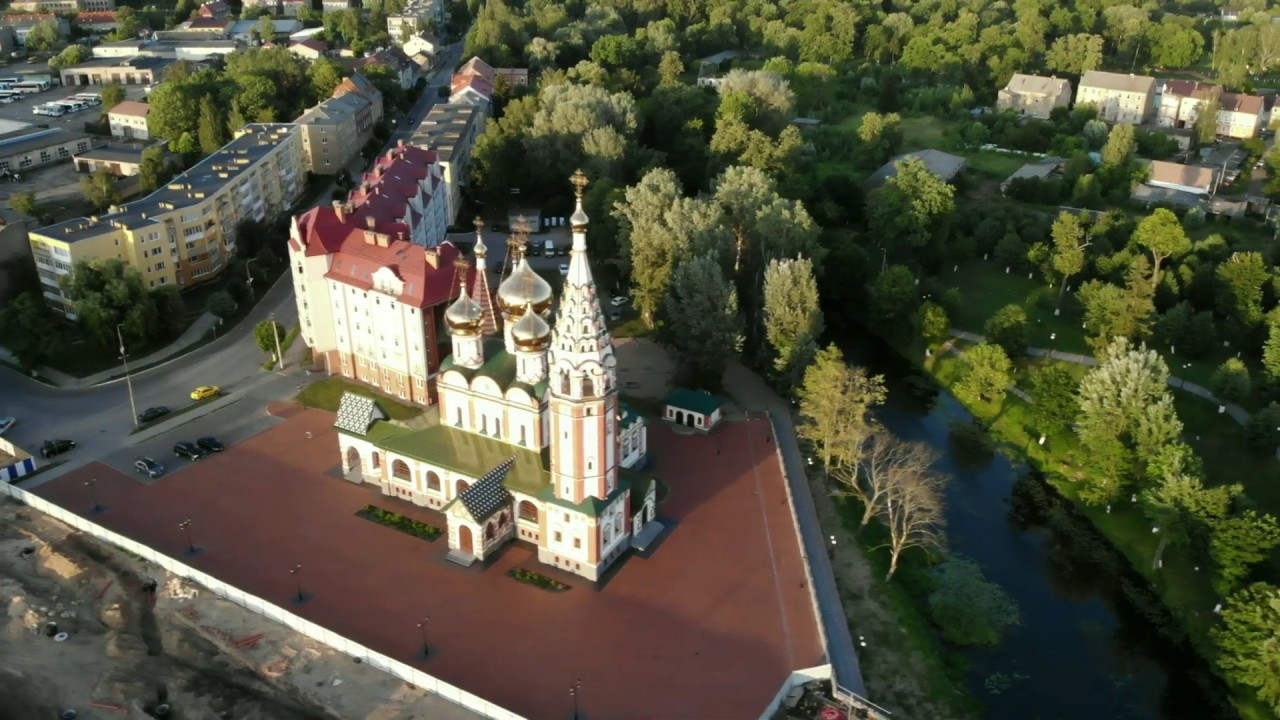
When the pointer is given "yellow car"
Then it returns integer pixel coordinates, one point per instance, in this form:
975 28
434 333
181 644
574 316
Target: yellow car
205 392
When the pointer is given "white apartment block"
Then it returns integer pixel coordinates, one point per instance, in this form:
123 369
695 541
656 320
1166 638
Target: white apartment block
1119 98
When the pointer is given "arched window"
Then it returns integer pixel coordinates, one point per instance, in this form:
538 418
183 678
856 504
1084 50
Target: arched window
458 414
460 487
524 440
528 511
488 531
564 383
400 471
433 480
588 387
376 460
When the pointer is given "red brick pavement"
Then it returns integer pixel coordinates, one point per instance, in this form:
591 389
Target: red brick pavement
706 628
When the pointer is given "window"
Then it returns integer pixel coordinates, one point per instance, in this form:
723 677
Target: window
577 543
558 539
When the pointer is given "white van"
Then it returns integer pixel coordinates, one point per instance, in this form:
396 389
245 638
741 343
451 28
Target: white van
549 249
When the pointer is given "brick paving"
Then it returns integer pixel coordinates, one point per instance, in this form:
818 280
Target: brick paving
705 628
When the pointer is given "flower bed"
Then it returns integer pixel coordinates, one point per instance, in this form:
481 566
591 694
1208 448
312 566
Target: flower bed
537 580
396 521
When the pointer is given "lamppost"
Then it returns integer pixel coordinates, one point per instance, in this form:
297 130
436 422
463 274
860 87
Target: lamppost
128 379
1053 337
295 571
185 525
275 331
92 484
574 690
249 277
422 625
1182 381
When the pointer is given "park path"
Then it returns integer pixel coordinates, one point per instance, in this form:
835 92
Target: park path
1237 413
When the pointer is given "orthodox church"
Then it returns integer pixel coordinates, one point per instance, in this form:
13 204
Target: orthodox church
528 440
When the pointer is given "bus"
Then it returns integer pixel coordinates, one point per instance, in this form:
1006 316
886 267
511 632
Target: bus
71 105
32 87
89 99
49 109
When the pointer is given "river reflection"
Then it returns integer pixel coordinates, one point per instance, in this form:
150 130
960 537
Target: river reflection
1081 652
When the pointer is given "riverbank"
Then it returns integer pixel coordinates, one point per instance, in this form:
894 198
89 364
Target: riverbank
1185 595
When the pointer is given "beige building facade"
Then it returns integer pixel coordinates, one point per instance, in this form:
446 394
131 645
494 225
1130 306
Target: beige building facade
451 130
1119 98
129 120
334 132
184 233
1034 95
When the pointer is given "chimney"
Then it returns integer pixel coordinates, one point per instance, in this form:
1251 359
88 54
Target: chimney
370 221
382 239
400 235
340 210
369 238
400 143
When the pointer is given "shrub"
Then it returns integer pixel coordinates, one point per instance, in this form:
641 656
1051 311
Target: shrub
1008 329
530 577
1231 380
396 521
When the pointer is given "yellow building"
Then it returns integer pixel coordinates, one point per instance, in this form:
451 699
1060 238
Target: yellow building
183 233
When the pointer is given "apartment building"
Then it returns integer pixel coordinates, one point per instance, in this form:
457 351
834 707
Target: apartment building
451 130
183 233
334 132
62 6
405 185
417 15
129 120
22 23
100 22
1034 95
1240 116
1119 98
370 302
360 85
394 58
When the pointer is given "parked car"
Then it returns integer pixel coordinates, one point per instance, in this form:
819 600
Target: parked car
210 445
188 450
564 269
153 413
6 423
619 300
148 467
614 315
204 392
56 447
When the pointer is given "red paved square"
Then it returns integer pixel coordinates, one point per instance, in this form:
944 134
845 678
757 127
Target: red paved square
708 627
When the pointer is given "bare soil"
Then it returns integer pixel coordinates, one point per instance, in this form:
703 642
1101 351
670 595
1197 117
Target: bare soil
127 650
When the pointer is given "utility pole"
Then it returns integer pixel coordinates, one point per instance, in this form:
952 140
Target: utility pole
128 380
275 332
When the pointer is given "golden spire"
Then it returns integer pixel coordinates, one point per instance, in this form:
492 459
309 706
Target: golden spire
579 181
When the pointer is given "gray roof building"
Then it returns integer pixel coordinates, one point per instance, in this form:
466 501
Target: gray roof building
944 165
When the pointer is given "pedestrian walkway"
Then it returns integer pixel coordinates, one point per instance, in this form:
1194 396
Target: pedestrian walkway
1237 413
751 393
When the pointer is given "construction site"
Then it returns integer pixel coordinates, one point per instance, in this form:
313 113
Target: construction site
92 632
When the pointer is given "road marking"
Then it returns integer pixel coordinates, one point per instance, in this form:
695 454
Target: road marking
773 559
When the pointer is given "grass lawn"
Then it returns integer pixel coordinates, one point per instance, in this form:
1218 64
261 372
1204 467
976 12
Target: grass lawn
998 165
327 395
985 288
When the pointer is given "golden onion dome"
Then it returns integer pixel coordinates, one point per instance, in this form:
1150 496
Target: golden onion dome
531 332
524 287
465 316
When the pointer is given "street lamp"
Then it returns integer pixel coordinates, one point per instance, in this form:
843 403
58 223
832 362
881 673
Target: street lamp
186 528
426 649
92 484
574 690
1053 337
128 379
295 571
275 332
249 277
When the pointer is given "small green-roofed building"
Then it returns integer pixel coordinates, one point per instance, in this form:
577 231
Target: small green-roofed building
697 409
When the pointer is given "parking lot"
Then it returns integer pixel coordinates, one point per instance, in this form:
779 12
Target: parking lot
21 110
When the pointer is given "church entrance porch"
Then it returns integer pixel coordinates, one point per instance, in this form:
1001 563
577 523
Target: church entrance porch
462 551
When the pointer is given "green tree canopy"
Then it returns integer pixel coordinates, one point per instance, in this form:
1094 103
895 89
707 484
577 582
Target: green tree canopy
792 317
970 609
1249 641
702 323
986 376
109 292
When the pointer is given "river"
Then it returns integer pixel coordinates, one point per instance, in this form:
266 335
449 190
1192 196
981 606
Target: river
1080 651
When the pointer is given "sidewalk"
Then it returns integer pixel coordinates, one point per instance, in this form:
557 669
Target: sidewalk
1237 413
188 338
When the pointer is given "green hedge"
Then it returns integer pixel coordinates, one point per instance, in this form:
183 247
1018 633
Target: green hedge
396 521
537 579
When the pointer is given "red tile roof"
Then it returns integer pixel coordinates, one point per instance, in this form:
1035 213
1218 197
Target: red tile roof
1185 88
476 66
428 274
96 16
475 82
1241 103
311 43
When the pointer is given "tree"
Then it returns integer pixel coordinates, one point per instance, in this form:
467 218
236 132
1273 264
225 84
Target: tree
1264 429
153 171
835 399
792 317
1182 509
221 305
1206 125
987 374
1239 297
112 94
325 74
702 321
881 137
1111 311
26 329
765 224
44 37
1249 641
913 514
881 460
1162 235
670 68
618 51
128 25
100 188
108 293
1055 405
1008 329
968 608
1238 543
267 333
1068 254
767 94
894 298
211 130
1174 45
935 326
912 208
265 28
1075 54
25 203
71 55
1231 380
1121 144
